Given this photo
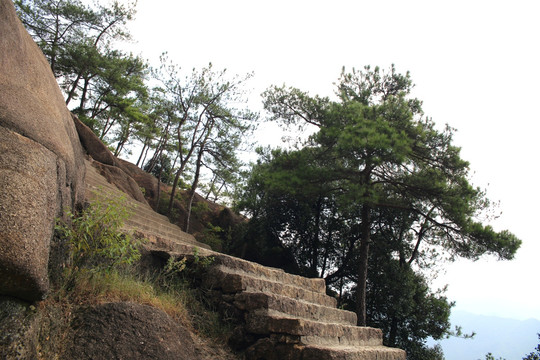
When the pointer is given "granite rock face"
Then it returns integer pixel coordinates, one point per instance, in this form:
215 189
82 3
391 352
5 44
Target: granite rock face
117 172
19 329
41 160
92 144
28 208
129 331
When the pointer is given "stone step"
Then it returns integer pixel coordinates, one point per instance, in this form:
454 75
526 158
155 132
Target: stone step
142 213
309 332
93 176
230 281
138 208
275 304
96 179
164 248
239 266
179 237
314 352
143 220
160 227
285 306
147 221
94 191
153 223
151 226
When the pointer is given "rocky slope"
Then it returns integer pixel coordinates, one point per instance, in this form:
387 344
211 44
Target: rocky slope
49 163
278 315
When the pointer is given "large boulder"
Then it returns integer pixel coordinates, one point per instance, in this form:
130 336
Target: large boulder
128 331
28 207
118 172
41 160
19 329
145 180
121 180
92 144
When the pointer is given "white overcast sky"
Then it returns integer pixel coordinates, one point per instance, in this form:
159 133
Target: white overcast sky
475 65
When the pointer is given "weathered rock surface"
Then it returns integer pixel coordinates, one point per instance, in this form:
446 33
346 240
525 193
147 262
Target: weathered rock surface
122 174
91 143
129 331
41 160
19 327
121 180
145 180
28 208
143 220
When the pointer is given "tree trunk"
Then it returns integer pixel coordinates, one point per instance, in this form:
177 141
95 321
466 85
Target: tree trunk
84 93
119 146
159 186
363 267
190 204
392 335
315 240
160 147
173 190
210 187
142 153
71 93
123 139
194 187
105 128
155 157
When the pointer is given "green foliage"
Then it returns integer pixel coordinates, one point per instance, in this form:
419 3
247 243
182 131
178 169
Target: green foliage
374 148
104 86
188 268
103 268
171 271
174 214
95 237
535 355
192 125
73 35
489 356
376 184
162 170
212 236
401 303
201 263
200 208
200 115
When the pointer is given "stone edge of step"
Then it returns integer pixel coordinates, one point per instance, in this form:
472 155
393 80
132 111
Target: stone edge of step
279 304
312 332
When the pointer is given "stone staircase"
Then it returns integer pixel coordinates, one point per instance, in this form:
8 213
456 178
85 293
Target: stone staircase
280 316
144 221
291 317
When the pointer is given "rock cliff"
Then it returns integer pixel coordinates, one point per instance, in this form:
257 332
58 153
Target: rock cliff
42 174
41 160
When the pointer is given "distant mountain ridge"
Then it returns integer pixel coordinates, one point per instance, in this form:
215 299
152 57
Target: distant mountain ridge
510 339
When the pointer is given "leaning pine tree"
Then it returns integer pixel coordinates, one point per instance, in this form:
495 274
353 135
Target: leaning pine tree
374 149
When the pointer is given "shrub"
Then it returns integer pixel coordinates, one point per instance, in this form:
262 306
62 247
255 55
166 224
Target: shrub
95 238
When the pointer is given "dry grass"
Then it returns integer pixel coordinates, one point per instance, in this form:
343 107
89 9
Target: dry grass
185 305
99 288
177 300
